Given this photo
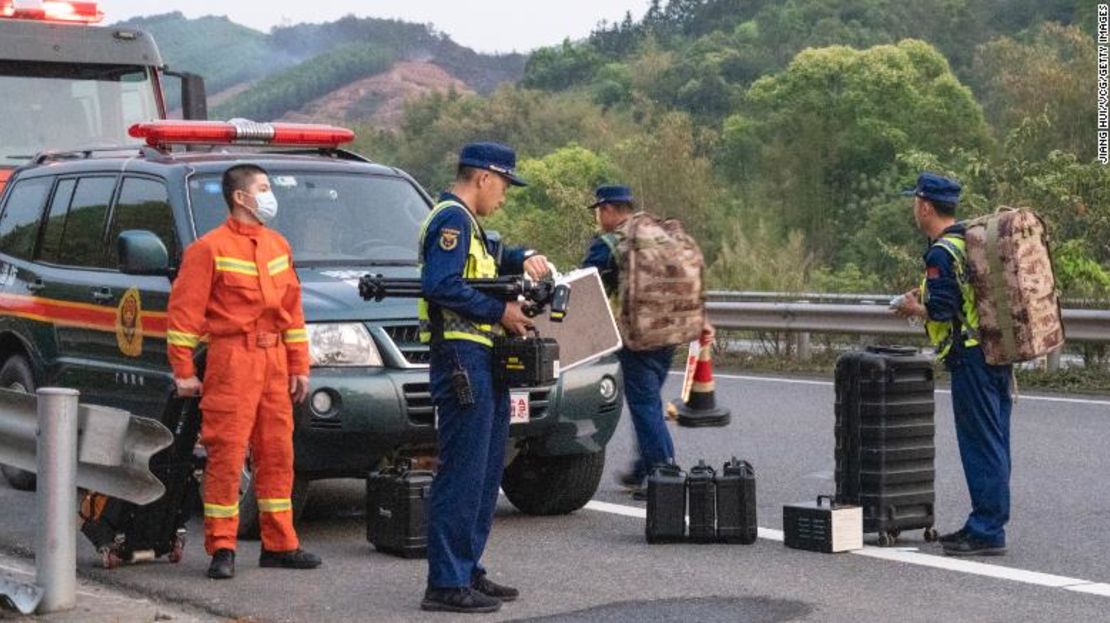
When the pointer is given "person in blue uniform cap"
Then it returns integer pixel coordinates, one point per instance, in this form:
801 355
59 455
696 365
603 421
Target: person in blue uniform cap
461 324
981 399
644 372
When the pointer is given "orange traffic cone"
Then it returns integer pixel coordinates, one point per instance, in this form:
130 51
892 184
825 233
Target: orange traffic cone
701 407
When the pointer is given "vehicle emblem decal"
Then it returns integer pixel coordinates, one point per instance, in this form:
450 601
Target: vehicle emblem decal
129 323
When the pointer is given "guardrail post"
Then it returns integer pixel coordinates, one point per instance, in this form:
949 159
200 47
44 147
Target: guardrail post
801 345
1052 362
56 538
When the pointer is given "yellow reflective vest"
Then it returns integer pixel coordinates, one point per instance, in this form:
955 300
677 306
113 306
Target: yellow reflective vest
479 265
940 332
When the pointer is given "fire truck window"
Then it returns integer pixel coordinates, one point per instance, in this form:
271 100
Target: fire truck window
143 204
20 222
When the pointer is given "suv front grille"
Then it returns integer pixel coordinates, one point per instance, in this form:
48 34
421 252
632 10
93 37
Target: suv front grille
407 339
418 403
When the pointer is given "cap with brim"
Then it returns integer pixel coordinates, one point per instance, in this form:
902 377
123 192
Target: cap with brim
933 187
500 159
611 194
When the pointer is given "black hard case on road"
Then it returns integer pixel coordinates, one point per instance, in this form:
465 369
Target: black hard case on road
666 505
126 532
736 511
884 439
397 510
701 490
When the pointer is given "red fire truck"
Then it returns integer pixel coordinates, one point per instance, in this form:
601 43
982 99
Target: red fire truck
71 86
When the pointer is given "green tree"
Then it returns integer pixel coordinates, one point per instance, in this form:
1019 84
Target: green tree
838 113
671 176
1050 76
549 214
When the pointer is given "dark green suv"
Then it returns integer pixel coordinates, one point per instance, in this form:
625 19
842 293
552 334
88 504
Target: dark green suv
71 315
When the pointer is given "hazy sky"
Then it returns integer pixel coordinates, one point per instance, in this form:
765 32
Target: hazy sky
504 26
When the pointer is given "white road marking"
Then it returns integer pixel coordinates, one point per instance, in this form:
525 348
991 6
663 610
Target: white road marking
913 557
775 379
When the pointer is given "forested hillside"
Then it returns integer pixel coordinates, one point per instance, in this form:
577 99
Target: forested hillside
272 75
781 131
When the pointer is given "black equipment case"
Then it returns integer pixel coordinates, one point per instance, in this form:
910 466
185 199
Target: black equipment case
525 361
125 532
884 440
666 505
701 490
736 512
397 510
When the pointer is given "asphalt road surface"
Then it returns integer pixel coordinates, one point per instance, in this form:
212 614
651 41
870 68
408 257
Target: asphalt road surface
594 565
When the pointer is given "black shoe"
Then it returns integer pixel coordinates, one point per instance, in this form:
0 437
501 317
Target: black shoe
463 599
293 559
640 493
630 479
489 588
952 537
970 546
223 565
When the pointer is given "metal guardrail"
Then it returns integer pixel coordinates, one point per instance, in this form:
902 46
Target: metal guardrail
1080 325
113 447
727 296
69 445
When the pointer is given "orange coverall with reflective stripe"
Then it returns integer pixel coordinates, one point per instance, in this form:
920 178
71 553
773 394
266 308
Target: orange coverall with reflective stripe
237 286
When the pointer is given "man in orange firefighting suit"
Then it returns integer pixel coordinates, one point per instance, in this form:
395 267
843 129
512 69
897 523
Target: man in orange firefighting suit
237 286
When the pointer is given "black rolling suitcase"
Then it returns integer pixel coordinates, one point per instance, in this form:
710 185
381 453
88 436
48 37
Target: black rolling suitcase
397 510
884 440
124 532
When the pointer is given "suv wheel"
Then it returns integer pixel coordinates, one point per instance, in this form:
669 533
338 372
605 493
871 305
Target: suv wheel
250 526
16 376
552 485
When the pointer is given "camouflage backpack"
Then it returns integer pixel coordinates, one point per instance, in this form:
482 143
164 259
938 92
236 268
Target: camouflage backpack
661 296
1010 268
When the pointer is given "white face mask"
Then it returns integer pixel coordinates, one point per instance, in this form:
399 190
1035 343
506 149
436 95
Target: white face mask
267 206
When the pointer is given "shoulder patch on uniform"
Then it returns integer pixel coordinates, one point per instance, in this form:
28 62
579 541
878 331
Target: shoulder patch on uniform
449 238
932 272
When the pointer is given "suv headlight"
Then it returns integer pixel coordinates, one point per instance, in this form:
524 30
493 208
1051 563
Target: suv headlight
342 344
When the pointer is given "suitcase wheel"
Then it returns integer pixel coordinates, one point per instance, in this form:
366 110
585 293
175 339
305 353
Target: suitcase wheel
110 558
178 551
887 539
931 535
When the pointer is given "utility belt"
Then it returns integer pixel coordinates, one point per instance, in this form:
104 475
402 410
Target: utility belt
517 361
252 340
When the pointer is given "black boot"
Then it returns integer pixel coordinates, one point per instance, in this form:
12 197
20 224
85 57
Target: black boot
223 565
292 559
464 599
489 588
971 546
952 537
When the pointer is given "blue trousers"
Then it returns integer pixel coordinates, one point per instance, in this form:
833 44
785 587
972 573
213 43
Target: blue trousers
471 460
982 404
644 375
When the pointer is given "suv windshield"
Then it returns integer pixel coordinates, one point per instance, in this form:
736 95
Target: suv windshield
330 218
59 106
